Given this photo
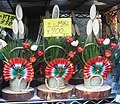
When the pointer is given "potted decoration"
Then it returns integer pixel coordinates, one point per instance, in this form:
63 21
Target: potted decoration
62 66
97 59
59 54
2 45
19 70
59 69
20 56
96 70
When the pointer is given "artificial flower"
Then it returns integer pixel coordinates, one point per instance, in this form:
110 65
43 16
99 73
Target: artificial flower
26 45
2 44
40 53
75 43
106 41
113 45
60 67
69 39
32 58
100 41
34 47
108 53
71 54
80 49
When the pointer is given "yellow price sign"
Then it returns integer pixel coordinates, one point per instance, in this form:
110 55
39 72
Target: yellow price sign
57 27
6 19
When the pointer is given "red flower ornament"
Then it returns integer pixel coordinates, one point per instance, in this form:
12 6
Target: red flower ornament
108 53
71 54
69 39
32 58
26 45
100 41
113 45
80 49
40 53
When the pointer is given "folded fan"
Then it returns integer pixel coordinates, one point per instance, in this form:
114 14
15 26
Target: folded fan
60 67
98 65
17 68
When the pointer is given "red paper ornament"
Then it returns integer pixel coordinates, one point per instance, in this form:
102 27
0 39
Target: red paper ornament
60 67
69 39
26 45
32 58
80 49
108 53
100 40
97 65
71 54
113 45
17 68
40 53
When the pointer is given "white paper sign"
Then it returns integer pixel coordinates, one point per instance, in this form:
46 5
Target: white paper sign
117 99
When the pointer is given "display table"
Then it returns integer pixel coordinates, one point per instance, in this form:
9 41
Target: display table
72 100
92 94
36 100
9 95
44 93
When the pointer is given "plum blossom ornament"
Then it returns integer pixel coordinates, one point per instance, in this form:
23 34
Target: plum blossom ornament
100 41
34 47
40 53
69 39
80 49
26 45
75 43
113 45
108 53
71 54
2 44
106 41
32 58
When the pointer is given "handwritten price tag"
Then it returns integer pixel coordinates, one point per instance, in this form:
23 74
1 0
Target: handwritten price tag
6 19
117 99
57 27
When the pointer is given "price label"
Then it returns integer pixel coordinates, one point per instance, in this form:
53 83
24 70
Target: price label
117 99
6 19
57 27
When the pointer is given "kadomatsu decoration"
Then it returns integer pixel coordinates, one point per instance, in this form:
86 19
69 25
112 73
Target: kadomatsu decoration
20 57
18 68
97 59
60 69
